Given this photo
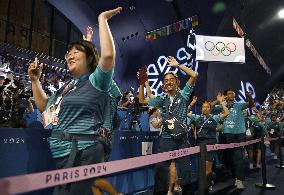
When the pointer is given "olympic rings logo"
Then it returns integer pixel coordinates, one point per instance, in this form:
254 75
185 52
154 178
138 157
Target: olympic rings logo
220 48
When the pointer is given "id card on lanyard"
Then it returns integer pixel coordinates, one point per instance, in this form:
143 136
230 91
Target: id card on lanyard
204 122
50 115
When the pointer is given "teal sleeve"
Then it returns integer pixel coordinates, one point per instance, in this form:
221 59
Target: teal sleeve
217 119
186 91
188 120
217 109
100 79
157 102
195 117
192 118
252 119
241 106
114 90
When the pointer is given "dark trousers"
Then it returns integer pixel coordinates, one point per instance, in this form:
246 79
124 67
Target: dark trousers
91 155
234 157
182 164
209 155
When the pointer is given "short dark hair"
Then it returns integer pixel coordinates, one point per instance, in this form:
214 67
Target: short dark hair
89 49
207 102
228 89
174 74
152 111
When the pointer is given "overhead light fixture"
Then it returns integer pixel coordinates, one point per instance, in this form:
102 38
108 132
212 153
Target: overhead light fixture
281 14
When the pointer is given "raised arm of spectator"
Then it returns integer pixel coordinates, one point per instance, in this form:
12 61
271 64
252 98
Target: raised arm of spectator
39 95
107 58
193 75
192 103
249 103
148 90
217 101
225 112
152 100
142 99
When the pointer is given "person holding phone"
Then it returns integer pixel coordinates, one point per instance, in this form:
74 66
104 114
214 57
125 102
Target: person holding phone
75 139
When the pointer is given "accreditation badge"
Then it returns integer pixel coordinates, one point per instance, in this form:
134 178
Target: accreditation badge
50 115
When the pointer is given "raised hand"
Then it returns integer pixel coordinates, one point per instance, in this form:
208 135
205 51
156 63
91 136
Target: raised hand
223 102
220 97
35 70
110 13
194 100
89 35
172 61
142 75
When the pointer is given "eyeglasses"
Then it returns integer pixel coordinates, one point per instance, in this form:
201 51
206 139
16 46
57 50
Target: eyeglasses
69 54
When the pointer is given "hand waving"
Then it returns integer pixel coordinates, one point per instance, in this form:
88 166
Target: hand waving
172 61
89 35
220 97
110 13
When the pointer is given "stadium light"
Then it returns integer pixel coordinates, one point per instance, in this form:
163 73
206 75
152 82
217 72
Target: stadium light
281 14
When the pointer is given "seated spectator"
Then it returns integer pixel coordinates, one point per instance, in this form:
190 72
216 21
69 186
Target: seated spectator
155 120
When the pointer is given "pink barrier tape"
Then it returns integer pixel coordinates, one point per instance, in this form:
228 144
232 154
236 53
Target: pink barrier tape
231 145
36 181
273 139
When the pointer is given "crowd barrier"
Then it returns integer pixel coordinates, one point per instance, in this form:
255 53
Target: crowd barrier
25 151
46 179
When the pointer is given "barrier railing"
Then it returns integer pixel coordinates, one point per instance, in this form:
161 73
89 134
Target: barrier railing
37 181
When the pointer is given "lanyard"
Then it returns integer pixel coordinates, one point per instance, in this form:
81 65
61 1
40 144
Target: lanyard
73 84
168 106
51 115
203 124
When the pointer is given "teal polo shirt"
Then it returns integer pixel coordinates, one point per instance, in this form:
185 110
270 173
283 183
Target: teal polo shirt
179 106
234 123
82 111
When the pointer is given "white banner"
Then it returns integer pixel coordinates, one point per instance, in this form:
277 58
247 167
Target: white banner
220 49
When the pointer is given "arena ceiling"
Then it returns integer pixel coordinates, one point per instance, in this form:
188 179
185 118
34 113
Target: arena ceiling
258 18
